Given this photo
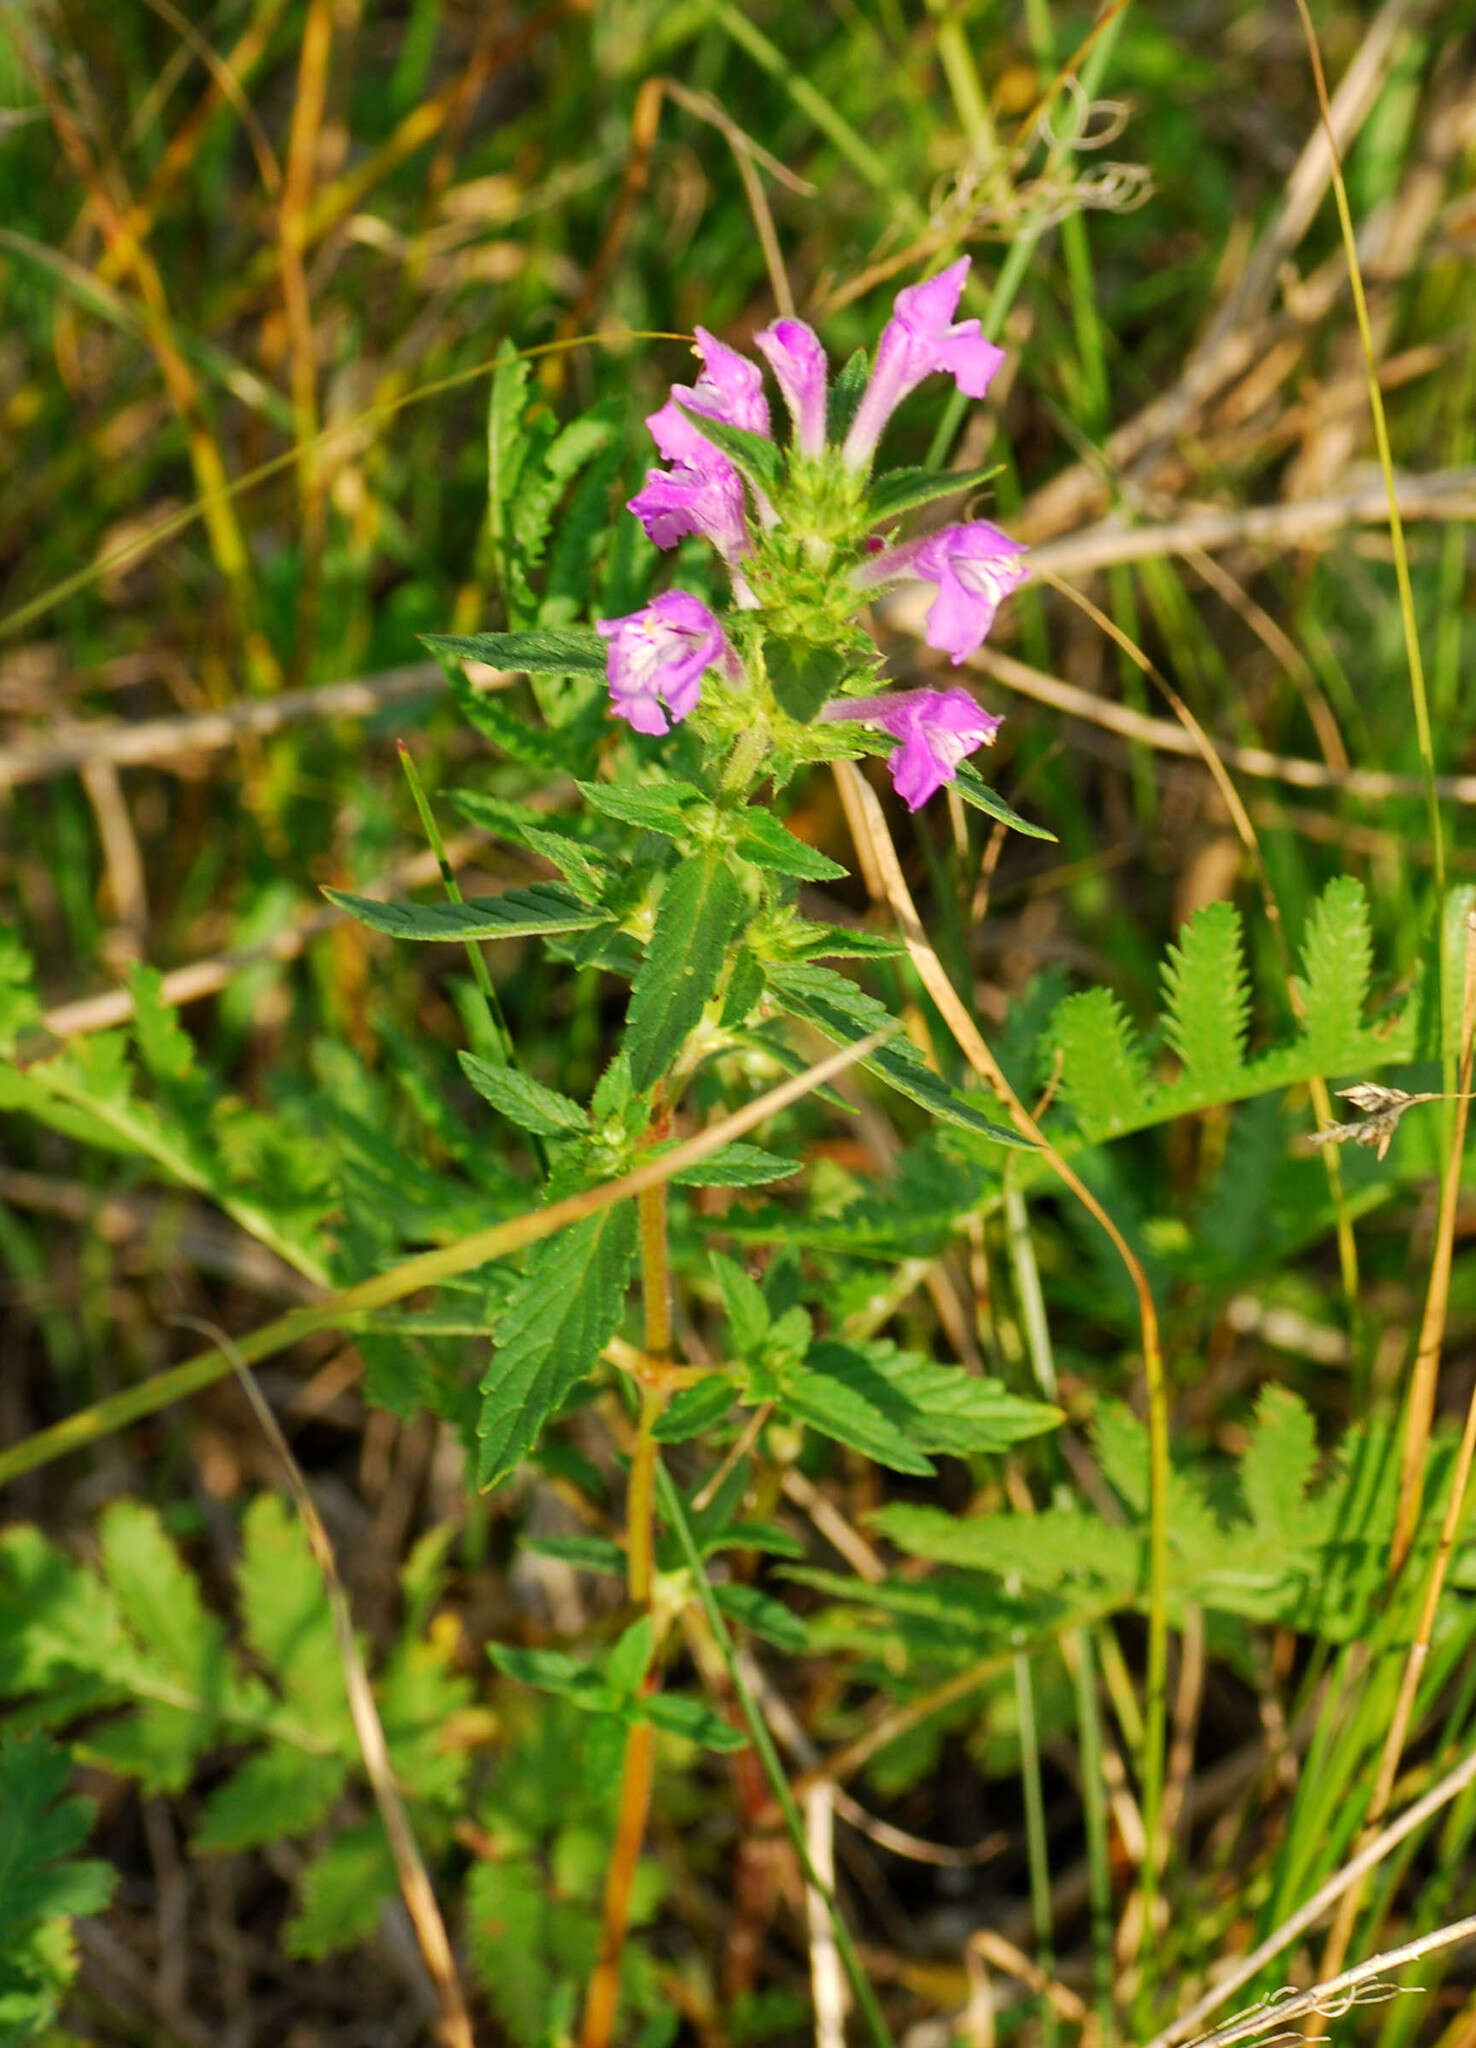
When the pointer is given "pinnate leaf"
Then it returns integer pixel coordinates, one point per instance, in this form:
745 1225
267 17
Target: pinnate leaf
1208 994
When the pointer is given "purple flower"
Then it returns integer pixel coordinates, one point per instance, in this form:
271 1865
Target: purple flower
975 568
659 655
795 356
936 728
702 492
688 498
729 386
921 337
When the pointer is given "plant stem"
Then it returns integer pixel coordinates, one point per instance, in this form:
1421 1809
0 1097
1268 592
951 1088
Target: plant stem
675 1513
635 1775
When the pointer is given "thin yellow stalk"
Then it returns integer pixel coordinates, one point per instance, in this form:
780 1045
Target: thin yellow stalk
1386 464
455 2027
1418 1419
862 802
636 1768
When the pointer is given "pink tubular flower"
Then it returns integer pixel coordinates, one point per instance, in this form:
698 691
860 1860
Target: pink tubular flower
690 499
936 728
921 337
729 386
659 655
702 492
975 568
795 356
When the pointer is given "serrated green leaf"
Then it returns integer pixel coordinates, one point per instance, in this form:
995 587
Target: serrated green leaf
629 1658
1337 955
744 991
769 1619
540 909
1279 1462
937 1407
898 490
649 806
160 1599
515 821
543 651
509 733
975 791
1104 1076
39 1830
743 1302
287 1619
1208 999
845 395
841 942
768 844
557 1672
524 1101
674 1715
844 1012
804 677
1047 1550
41 1883
562 1313
343 1891
588 1553
276 1793
700 909
735 1166
754 456
692 1410
855 1407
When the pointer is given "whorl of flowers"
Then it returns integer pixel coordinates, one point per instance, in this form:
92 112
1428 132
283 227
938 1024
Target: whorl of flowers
796 530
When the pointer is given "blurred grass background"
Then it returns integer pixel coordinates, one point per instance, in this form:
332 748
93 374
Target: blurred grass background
256 259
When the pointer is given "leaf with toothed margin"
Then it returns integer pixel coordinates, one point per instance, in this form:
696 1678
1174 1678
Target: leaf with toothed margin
700 908
539 909
974 790
900 489
563 1312
768 844
753 455
545 652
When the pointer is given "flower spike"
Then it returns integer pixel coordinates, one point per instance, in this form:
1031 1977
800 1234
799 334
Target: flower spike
921 337
659 655
935 728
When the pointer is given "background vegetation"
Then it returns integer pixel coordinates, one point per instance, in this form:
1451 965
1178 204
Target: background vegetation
257 260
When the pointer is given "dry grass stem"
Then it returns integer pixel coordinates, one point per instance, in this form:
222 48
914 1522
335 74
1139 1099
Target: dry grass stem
415 1885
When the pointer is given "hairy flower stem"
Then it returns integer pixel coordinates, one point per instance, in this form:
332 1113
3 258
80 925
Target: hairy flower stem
635 1774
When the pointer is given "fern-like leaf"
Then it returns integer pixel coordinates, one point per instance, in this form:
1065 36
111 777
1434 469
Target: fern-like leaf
1208 1000
1104 1076
1338 956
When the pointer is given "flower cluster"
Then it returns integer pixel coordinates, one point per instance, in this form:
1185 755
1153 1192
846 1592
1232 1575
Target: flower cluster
796 538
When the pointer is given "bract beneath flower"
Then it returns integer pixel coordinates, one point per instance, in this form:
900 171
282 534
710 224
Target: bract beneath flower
658 656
